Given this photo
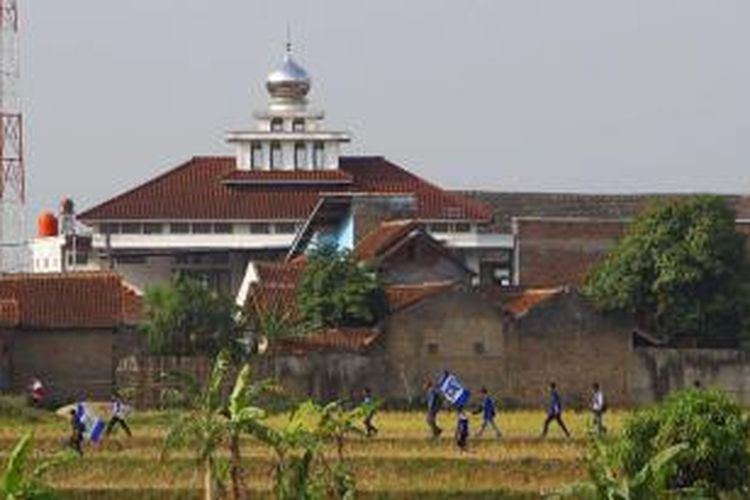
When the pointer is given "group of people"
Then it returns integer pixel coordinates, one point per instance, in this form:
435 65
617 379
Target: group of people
81 425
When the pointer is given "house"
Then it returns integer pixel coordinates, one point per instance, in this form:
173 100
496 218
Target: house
211 216
68 329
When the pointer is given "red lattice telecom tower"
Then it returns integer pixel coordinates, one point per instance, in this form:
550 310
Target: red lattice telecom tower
12 175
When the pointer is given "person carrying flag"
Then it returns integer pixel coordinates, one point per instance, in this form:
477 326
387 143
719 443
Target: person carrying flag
554 411
119 411
434 403
488 414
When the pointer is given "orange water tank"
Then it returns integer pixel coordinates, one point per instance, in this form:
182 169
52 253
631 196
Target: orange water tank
47 225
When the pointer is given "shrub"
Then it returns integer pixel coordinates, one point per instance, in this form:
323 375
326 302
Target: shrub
713 427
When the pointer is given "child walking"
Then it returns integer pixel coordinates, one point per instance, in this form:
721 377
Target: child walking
488 414
462 430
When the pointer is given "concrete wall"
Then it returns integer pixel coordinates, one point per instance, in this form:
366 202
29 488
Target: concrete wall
69 362
658 371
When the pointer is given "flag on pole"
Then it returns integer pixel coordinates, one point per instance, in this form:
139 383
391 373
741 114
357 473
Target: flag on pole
453 390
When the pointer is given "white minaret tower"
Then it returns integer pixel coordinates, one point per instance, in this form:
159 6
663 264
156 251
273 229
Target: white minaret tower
288 134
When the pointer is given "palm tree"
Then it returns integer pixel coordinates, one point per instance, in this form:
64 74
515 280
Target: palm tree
213 421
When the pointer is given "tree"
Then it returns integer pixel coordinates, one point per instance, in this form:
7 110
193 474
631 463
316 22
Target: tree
714 429
680 268
185 317
212 421
337 290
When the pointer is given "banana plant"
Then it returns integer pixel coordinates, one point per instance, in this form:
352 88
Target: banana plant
212 421
17 482
605 483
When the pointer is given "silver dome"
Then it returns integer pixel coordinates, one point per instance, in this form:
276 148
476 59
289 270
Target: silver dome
289 81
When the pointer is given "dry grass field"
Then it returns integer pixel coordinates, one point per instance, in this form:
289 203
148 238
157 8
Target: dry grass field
401 462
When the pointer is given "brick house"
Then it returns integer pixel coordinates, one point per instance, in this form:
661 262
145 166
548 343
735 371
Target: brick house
65 328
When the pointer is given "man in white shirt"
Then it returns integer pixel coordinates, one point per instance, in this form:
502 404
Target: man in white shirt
598 407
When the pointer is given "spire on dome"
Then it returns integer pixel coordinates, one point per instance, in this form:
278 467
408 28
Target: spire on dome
290 81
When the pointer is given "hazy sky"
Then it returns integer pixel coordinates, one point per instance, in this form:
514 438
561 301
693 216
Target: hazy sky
582 95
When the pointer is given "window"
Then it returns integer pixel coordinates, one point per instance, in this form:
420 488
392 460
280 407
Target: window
82 258
179 228
439 227
260 228
462 227
479 348
223 228
298 125
300 155
277 125
256 155
276 159
153 228
202 228
130 259
432 348
318 152
109 228
131 228
286 228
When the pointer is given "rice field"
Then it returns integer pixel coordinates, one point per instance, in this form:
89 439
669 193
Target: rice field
401 462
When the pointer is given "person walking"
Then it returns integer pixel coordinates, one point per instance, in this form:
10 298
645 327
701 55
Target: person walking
554 411
76 432
37 392
119 411
369 405
598 407
434 402
462 430
488 414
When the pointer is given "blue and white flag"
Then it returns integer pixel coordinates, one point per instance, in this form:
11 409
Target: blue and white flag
453 391
93 425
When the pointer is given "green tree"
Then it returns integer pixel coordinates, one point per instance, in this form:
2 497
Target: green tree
337 290
713 428
213 421
185 317
680 268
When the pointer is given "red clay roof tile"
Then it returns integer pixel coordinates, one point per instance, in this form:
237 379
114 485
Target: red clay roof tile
332 339
402 296
10 314
528 299
382 237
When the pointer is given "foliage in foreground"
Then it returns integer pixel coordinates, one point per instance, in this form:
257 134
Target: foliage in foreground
337 290
681 268
715 431
185 317
20 483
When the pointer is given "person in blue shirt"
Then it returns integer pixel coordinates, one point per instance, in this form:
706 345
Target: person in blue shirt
554 411
434 403
462 430
488 414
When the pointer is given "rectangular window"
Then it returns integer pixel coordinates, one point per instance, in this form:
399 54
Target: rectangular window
153 228
300 155
260 228
82 258
277 125
286 228
298 125
109 228
276 155
201 228
256 155
432 348
131 228
439 227
318 153
130 259
223 228
179 228
462 227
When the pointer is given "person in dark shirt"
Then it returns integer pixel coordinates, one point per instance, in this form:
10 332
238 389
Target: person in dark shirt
434 402
369 405
488 414
462 430
554 411
76 432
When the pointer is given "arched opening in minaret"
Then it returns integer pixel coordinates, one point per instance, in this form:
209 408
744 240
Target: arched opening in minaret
298 125
256 155
318 152
277 125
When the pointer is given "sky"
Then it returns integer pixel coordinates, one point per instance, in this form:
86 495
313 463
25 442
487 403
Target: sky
507 95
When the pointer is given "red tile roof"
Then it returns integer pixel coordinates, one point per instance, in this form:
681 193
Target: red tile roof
380 239
332 339
69 300
402 296
195 190
10 314
528 299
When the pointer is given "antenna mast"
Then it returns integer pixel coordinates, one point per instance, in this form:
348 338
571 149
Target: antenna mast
12 173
